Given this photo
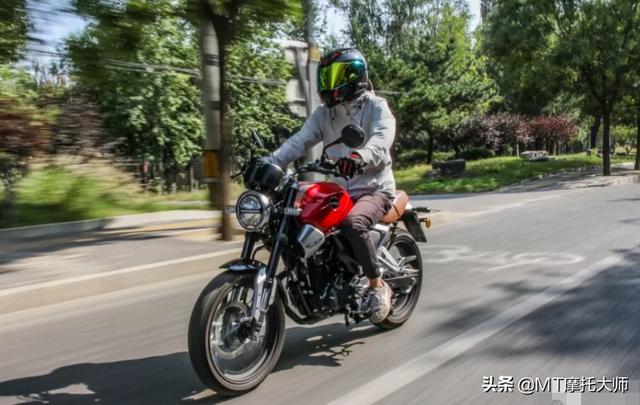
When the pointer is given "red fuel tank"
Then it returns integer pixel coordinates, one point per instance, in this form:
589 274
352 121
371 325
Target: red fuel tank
324 204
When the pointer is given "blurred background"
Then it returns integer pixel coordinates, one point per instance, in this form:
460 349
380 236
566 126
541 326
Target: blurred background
102 111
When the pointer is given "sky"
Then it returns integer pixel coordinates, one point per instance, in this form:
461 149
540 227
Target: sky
58 25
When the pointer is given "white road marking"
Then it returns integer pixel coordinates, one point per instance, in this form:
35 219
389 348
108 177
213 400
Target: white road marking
496 260
384 385
133 269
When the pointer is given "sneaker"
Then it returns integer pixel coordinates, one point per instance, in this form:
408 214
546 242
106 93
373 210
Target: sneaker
380 303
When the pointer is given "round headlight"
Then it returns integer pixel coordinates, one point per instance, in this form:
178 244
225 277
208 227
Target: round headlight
253 210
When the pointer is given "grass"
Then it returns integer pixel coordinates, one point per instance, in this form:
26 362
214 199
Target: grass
75 192
490 174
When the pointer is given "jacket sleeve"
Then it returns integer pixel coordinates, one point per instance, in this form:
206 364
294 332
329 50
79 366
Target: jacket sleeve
296 146
376 151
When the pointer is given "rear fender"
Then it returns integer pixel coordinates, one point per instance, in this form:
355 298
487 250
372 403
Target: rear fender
412 223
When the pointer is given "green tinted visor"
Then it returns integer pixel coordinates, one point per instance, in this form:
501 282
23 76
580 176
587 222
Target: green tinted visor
338 74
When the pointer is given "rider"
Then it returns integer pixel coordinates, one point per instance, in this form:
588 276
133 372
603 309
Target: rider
348 98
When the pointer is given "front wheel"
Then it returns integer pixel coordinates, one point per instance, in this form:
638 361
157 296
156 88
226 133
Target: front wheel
402 245
224 361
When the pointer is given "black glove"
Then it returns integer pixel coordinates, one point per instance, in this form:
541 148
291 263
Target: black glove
348 166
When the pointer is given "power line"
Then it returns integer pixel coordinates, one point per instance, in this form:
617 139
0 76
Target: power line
154 68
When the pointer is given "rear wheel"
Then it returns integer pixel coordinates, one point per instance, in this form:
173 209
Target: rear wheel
402 245
223 358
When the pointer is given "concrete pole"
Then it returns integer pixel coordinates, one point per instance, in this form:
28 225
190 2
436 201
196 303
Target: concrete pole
313 101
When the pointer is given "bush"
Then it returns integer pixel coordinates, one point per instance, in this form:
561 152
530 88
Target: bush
476 154
443 156
495 132
412 157
58 193
548 131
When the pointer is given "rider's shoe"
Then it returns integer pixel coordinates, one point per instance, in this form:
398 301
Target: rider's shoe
380 302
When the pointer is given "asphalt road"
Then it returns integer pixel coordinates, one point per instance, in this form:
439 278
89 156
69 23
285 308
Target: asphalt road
549 288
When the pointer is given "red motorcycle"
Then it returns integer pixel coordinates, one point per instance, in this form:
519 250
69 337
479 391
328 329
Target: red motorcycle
237 326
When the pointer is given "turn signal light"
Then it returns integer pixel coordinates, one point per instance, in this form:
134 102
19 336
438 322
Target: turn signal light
427 222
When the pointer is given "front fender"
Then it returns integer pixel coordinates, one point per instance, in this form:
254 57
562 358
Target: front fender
243 265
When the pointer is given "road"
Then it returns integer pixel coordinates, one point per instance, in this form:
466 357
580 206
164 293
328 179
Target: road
548 288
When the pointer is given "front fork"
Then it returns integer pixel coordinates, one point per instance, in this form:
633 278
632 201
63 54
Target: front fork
264 283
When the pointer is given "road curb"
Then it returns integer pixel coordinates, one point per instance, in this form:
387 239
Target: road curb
58 291
112 223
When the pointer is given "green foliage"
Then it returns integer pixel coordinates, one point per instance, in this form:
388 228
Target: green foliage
587 48
624 136
412 157
138 62
25 122
67 191
153 113
476 153
421 50
14 26
256 11
256 106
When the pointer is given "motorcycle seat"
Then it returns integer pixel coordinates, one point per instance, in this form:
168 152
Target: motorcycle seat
397 208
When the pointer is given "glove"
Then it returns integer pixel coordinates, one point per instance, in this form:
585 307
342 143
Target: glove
348 166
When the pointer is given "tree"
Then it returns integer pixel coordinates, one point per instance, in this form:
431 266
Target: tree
421 51
495 132
551 133
25 124
141 77
14 26
595 42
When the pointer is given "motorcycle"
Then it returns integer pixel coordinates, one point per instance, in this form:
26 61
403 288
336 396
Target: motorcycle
237 327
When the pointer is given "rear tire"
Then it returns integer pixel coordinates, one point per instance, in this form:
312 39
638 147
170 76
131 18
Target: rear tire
206 321
402 244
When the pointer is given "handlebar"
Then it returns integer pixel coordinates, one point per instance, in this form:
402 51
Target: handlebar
325 166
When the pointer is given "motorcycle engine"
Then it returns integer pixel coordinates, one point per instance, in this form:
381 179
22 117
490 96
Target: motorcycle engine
330 289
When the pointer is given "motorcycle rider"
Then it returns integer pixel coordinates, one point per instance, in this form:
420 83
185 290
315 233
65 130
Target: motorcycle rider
348 98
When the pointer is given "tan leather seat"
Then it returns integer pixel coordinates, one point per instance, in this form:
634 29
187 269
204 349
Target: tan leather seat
397 210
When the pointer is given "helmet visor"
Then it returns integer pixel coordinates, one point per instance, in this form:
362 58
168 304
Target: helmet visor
338 74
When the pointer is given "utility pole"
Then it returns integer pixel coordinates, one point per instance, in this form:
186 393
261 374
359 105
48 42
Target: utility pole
214 157
313 100
302 91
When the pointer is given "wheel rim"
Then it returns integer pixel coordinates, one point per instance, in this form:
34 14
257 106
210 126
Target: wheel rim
401 303
236 360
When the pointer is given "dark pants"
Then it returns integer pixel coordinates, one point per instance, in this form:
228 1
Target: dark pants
367 211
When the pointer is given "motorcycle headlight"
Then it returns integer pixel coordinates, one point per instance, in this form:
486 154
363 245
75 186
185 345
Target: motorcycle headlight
253 210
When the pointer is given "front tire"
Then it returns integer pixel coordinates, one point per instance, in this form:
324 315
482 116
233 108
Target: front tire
402 305
220 358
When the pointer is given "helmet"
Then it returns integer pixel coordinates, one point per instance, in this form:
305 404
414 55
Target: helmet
342 76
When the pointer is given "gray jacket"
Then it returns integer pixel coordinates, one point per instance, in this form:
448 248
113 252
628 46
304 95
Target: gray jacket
325 124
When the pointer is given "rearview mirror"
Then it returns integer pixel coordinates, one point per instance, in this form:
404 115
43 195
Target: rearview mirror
352 136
